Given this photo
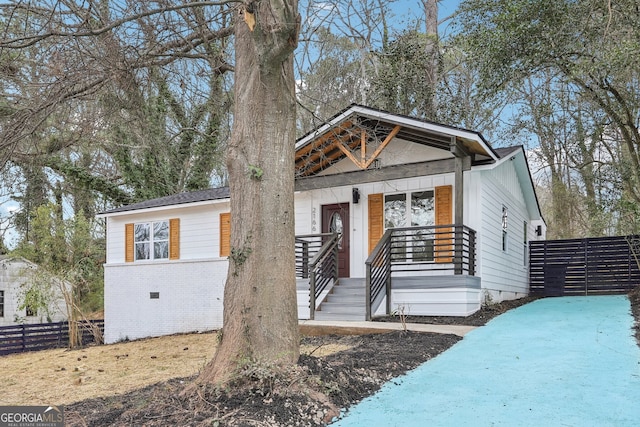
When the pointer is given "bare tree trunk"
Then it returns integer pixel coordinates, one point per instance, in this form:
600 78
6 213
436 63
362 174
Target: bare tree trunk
260 309
432 54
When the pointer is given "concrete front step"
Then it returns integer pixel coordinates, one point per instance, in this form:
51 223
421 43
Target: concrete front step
353 299
334 307
345 302
351 283
319 315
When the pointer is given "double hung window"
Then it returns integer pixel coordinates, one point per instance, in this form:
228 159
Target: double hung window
151 240
505 224
411 209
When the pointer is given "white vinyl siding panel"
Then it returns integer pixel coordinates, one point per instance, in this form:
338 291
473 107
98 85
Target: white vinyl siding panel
503 273
304 215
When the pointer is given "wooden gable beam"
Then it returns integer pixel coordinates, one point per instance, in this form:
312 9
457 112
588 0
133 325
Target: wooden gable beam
349 154
363 163
336 132
328 159
344 141
386 141
327 147
363 146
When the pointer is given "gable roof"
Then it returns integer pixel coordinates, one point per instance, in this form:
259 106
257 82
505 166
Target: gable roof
348 129
503 152
518 155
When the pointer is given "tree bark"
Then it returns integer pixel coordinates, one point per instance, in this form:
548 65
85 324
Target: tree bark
432 54
260 309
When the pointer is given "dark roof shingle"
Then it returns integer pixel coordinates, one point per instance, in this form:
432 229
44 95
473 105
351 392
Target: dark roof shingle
176 199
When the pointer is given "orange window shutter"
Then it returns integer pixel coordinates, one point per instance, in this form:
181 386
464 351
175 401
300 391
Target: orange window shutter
174 238
444 216
128 243
444 205
376 219
225 234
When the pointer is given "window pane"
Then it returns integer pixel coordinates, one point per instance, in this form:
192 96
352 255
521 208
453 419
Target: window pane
336 227
395 210
142 251
161 230
505 216
142 232
161 250
422 209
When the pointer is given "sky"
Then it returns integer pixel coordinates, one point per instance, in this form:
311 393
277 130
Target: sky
414 8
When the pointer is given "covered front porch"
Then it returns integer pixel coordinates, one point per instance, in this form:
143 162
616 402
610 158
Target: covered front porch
426 270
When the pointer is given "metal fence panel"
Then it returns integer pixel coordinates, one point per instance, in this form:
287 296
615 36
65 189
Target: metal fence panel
603 265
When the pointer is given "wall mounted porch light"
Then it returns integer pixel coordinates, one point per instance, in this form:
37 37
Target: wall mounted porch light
355 195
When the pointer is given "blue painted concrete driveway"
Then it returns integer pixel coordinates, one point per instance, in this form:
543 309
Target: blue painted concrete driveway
570 361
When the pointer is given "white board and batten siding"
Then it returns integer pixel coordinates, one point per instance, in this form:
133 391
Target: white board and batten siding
162 297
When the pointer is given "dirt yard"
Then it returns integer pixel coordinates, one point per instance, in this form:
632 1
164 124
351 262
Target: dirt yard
63 376
140 383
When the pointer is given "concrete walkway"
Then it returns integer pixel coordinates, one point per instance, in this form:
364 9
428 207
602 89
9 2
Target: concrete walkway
568 361
311 327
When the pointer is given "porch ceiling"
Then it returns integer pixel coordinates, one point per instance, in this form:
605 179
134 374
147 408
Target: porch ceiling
361 138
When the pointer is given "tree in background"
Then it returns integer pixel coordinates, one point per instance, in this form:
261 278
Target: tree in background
336 60
102 105
69 263
402 84
587 46
128 93
332 81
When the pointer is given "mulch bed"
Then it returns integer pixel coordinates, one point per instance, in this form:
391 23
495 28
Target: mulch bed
311 394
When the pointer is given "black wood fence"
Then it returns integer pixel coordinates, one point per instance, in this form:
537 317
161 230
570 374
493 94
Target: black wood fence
41 336
603 265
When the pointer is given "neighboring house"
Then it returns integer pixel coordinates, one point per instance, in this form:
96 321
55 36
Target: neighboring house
15 278
385 205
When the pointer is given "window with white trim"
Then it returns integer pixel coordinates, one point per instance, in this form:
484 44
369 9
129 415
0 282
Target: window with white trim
525 243
151 240
1 303
417 209
505 224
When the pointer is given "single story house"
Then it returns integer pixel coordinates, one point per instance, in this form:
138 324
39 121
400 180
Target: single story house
393 215
16 278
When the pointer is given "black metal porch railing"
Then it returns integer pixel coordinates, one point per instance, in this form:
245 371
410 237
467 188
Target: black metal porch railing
441 248
317 260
